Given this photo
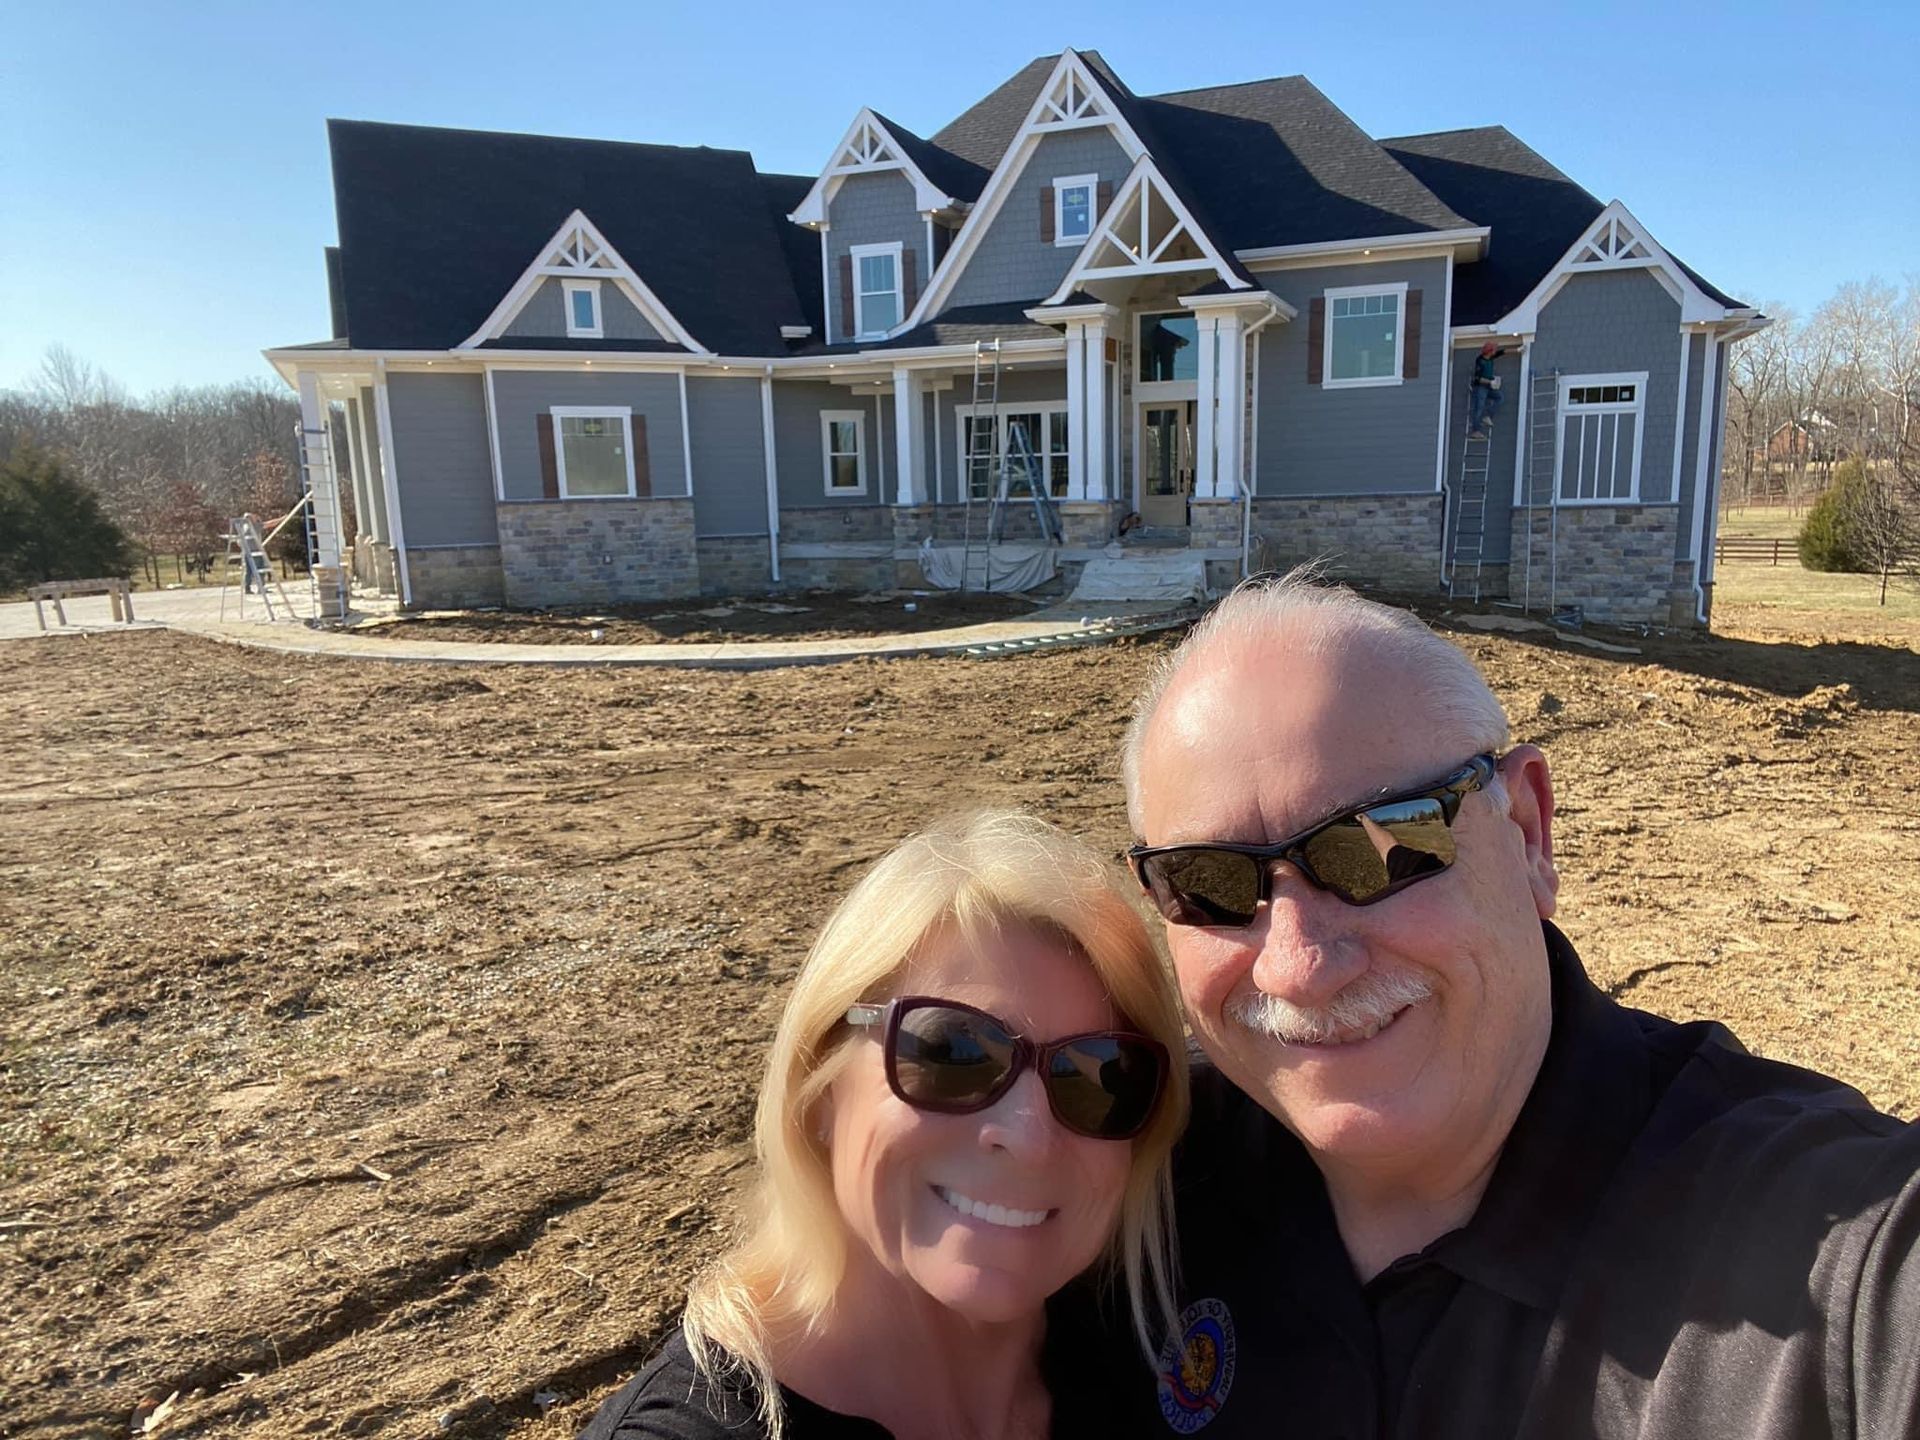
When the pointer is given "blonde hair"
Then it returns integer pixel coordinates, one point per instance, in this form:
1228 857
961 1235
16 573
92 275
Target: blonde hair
972 875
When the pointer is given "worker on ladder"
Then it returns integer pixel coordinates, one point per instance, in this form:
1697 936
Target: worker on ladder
1483 392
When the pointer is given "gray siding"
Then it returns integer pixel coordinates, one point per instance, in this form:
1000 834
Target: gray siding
1367 441
1012 261
729 456
1506 435
872 210
1033 386
796 441
1698 384
1621 320
545 315
441 458
520 396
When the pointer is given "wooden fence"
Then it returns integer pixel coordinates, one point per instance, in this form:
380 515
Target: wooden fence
1769 548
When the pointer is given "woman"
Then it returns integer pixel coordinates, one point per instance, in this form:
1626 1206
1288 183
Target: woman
970 1101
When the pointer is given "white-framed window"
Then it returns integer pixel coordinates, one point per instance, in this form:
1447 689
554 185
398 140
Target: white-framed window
1365 330
593 451
843 451
1074 199
876 288
982 445
582 299
1603 422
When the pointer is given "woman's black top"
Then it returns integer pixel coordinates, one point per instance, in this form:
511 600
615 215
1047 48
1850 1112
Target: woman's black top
671 1400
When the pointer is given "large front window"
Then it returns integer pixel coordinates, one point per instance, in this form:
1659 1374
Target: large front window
1602 418
1169 348
593 452
1363 335
1036 432
876 280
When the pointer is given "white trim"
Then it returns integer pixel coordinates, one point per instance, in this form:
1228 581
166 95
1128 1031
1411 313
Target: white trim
1615 241
1522 431
622 413
880 444
1360 292
579 251
493 434
773 473
1637 408
1717 441
1043 117
868 148
1139 254
1446 399
686 436
1680 413
1701 448
857 253
361 407
909 439
1062 184
390 478
576 331
827 308
827 420
1278 257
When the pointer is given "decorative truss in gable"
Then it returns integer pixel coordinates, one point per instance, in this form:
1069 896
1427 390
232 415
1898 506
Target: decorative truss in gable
1073 99
1146 231
578 251
1615 241
868 148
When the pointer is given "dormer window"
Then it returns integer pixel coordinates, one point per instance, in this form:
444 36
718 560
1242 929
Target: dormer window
583 309
1073 201
876 289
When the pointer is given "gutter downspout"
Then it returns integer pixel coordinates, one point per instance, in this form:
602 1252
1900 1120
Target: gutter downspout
773 474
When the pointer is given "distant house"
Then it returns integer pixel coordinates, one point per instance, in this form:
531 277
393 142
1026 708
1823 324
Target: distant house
581 372
1811 438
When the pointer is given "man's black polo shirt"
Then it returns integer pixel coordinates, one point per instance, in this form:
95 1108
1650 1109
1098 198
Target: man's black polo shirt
1679 1240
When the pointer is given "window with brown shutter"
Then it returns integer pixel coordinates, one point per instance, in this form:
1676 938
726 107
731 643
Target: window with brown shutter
1410 339
1316 339
549 460
642 466
1046 214
846 297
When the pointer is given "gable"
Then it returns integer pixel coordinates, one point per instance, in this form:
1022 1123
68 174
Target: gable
544 316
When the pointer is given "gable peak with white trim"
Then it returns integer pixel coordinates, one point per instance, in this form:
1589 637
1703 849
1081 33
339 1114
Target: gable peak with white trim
1147 230
868 148
1615 241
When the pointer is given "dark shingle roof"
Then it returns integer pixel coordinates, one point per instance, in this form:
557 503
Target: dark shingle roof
1536 213
962 179
963 325
563 342
980 134
799 245
436 226
1277 163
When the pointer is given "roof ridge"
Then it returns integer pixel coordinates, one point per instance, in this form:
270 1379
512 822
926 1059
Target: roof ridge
1230 85
1455 130
333 120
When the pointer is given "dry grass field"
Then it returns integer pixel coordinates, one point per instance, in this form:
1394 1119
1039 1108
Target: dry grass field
378 1044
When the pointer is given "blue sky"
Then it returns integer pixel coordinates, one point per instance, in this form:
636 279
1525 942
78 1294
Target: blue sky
164 191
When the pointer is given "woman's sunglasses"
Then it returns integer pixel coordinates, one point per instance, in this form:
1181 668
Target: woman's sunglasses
955 1059
1361 855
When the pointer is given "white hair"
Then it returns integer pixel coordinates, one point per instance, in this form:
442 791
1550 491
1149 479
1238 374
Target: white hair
1316 618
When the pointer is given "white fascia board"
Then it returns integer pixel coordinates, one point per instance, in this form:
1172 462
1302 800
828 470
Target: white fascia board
927 196
1266 300
883 362
1695 306
1000 184
1144 174
1279 256
618 271
1059 314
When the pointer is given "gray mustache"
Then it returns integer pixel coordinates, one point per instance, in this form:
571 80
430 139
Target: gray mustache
1371 1000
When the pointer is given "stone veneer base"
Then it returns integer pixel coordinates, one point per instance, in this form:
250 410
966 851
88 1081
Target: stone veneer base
1391 540
465 577
597 552
1613 561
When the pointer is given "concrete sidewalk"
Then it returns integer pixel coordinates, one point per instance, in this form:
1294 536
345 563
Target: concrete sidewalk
197 612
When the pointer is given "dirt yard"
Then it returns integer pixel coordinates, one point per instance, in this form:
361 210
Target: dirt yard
380 1044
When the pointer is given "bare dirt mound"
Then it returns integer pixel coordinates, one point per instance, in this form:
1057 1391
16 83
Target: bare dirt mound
379 1047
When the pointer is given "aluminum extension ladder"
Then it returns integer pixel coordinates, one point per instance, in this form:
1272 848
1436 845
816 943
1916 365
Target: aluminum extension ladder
248 548
1017 462
327 582
983 425
1470 518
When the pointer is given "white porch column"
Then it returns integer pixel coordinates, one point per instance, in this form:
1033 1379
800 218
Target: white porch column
1076 412
909 437
316 460
1230 406
1207 342
1099 462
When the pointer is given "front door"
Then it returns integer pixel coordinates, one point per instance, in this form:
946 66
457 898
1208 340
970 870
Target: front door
1166 460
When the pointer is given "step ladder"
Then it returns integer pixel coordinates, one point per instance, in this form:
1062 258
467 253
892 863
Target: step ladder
983 426
1542 447
247 548
1470 515
1019 466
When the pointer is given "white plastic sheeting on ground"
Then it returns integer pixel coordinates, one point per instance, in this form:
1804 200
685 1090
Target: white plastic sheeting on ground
1122 574
1011 567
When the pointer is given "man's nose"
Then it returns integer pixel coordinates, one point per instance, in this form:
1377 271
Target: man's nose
1307 951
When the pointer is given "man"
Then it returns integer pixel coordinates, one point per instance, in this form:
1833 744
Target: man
1483 392
1436 1183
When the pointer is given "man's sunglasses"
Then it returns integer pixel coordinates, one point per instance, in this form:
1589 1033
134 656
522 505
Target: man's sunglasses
955 1059
1361 855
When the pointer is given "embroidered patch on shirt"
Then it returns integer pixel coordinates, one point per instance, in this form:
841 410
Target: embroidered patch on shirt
1196 1366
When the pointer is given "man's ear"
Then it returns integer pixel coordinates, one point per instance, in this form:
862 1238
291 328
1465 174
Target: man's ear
1530 793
